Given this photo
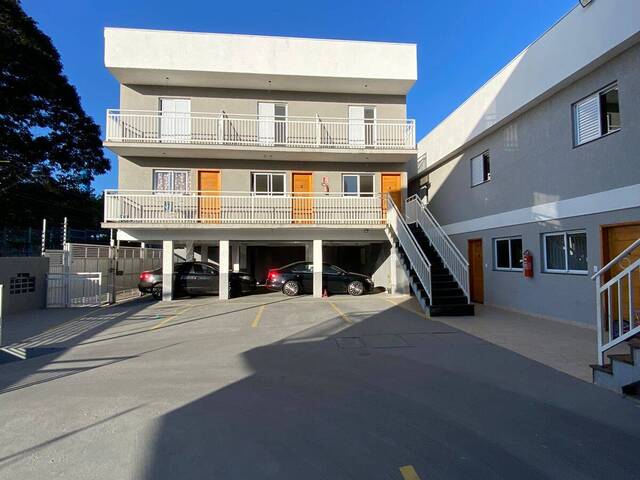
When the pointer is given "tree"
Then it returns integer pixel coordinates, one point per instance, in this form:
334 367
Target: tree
47 142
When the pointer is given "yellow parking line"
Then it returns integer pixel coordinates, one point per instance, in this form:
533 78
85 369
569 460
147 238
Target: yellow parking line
409 473
341 313
168 319
256 320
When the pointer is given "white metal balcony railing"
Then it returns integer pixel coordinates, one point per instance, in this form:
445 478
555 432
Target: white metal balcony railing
154 207
140 126
617 304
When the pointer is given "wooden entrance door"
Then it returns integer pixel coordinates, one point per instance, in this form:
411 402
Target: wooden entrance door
209 191
476 270
615 239
302 208
391 183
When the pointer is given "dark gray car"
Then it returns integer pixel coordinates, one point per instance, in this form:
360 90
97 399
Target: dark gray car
195 278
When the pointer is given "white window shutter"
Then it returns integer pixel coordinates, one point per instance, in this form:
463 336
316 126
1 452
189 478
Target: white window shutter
587 119
356 125
266 123
477 176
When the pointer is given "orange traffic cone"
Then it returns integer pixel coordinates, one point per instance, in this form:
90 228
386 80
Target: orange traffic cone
325 294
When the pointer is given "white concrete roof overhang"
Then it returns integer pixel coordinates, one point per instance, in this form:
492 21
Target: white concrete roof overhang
153 57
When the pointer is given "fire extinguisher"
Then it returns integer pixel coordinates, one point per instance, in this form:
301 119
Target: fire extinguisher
527 264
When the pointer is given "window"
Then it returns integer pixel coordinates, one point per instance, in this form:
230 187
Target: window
565 252
480 169
508 253
596 115
302 268
331 270
267 183
358 185
171 181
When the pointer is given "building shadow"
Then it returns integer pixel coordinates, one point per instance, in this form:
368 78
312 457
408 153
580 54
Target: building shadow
337 401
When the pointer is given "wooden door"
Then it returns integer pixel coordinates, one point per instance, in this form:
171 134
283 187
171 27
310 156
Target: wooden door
476 270
615 239
391 183
209 191
302 208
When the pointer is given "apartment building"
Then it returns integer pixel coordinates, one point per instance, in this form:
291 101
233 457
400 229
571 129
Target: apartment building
544 160
255 152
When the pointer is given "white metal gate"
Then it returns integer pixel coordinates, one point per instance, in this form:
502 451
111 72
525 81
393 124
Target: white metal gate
74 289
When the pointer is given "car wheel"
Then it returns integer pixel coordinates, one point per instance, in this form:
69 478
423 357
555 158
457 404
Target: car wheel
291 288
156 291
355 288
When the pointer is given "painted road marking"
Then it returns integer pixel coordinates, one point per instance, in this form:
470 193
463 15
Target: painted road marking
409 309
409 473
341 313
168 319
256 320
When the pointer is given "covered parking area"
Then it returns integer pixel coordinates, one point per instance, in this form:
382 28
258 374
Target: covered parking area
257 249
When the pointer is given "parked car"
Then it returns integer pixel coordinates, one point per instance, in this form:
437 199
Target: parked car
297 278
195 278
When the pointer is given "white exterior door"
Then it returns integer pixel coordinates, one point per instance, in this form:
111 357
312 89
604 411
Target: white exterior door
175 123
356 126
266 123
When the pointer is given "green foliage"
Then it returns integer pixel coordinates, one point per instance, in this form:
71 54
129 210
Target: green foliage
47 142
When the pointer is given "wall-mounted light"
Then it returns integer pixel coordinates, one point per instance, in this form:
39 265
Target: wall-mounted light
584 3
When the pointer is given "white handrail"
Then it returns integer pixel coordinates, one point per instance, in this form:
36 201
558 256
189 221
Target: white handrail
419 262
617 317
451 256
199 128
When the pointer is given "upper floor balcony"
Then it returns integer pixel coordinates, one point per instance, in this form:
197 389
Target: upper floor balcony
162 209
227 135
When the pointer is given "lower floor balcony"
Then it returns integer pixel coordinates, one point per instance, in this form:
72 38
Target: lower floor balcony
207 208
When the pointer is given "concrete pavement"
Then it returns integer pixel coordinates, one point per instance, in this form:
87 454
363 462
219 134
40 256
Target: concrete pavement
273 387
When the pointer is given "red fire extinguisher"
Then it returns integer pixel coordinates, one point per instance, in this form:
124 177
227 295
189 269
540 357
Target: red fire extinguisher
527 261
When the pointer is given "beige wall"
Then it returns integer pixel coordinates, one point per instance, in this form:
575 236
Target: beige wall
137 173
215 100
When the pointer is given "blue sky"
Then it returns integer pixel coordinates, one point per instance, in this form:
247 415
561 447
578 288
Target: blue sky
461 43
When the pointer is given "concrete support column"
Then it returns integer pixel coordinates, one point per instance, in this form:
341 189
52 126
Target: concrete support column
188 251
394 263
317 268
167 270
235 257
204 253
223 261
308 252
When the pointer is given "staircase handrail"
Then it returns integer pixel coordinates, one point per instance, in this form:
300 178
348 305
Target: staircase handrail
412 249
621 255
612 290
450 254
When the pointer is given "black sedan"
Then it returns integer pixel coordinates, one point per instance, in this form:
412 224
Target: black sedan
297 278
195 278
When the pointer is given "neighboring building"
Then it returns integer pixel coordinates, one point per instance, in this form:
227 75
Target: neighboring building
545 157
260 151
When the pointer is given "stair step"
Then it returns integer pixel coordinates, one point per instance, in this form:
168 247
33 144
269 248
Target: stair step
622 357
447 292
602 368
457 300
451 310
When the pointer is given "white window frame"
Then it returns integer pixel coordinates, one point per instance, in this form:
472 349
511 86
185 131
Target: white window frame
564 234
359 193
267 127
495 253
175 126
596 95
484 174
270 193
171 191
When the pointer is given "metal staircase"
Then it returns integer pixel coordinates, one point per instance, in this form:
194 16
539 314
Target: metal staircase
618 323
437 271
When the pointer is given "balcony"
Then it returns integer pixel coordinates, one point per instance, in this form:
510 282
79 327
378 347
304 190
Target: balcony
224 135
215 209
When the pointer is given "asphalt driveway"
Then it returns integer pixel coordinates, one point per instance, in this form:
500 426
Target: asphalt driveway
275 387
